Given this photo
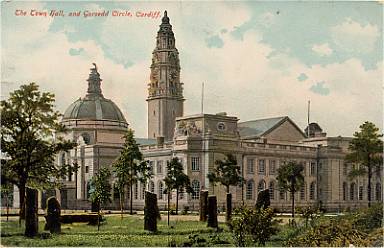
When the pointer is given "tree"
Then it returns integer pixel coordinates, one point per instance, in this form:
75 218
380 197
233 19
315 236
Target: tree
212 180
29 124
290 178
227 173
252 226
101 190
130 168
366 150
176 179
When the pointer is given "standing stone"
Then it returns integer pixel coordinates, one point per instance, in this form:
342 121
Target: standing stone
95 206
53 216
263 200
151 212
203 205
212 211
228 213
31 217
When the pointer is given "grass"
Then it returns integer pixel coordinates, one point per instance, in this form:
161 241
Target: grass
114 232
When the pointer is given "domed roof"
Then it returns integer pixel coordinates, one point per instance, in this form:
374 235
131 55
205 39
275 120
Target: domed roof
94 106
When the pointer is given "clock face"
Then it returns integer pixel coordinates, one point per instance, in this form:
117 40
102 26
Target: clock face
221 126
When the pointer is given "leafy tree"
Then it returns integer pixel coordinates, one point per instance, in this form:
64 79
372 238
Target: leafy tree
227 173
212 180
290 178
250 226
100 191
367 151
176 179
29 123
130 168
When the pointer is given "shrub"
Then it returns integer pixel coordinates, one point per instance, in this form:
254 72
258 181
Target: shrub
253 226
330 232
367 219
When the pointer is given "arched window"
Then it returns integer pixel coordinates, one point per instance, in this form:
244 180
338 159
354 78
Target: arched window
160 189
136 189
352 191
312 189
88 189
249 192
302 191
378 192
143 191
116 193
361 190
62 162
272 190
345 188
282 195
152 186
196 189
181 194
261 186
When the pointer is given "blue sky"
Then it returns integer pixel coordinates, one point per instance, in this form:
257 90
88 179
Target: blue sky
257 59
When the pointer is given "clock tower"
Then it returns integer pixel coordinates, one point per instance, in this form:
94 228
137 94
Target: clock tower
165 91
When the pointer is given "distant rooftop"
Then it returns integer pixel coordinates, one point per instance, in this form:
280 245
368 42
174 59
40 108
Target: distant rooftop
256 128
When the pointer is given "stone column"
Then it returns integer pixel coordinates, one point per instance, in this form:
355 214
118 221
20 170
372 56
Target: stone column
203 210
31 217
212 211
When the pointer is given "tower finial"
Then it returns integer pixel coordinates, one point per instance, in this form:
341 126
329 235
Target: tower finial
165 19
94 82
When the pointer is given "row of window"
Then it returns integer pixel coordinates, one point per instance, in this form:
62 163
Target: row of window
261 166
161 166
250 190
359 195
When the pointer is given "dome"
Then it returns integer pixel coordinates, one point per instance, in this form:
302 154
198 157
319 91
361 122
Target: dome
94 106
94 109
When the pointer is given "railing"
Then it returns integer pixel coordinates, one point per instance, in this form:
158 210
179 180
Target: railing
277 146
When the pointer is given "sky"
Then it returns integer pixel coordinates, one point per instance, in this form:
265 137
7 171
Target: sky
256 59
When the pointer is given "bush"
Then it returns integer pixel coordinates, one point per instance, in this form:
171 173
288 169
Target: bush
368 219
252 226
330 232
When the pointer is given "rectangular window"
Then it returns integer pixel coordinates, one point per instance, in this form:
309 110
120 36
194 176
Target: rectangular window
159 167
151 167
312 168
272 167
250 165
195 162
345 169
86 169
304 164
282 195
262 167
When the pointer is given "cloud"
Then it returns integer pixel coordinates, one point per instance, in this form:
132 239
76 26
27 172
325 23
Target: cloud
302 77
75 52
214 41
352 36
322 50
319 88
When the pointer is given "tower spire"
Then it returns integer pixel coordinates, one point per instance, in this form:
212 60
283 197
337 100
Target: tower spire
165 91
94 82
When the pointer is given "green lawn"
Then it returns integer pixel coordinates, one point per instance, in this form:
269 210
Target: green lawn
116 232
